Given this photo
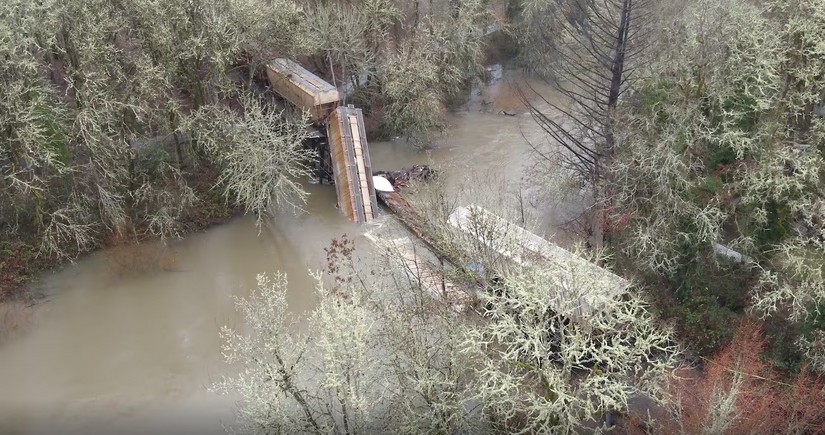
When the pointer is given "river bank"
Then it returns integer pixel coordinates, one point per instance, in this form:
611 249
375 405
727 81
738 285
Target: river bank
134 352
22 261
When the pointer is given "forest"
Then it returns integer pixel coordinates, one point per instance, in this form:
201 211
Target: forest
120 118
695 130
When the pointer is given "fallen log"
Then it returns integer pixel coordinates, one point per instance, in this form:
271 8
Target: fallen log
404 211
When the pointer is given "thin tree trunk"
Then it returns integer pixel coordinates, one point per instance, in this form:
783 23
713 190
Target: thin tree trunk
178 151
617 74
617 78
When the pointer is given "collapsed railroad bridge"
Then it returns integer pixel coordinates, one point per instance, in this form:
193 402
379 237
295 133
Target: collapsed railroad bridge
343 151
344 160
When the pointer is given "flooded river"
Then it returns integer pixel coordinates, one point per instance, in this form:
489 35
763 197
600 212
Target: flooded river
114 352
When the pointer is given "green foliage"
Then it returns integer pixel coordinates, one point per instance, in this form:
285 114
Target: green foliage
784 338
777 225
705 296
432 65
52 122
705 324
410 73
93 91
704 189
714 150
411 83
742 112
651 98
261 155
718 155
725 281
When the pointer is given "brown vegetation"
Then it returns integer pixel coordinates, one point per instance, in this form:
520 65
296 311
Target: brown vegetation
12 268
19 262
739 392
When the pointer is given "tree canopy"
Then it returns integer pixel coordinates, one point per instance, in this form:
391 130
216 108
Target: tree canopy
721 145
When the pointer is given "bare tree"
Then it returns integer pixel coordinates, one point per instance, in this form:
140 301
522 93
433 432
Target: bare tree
373 360
379 358
589 51
260 152
383 354
33 124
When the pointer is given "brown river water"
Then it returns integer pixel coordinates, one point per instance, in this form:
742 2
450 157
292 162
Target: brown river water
112 352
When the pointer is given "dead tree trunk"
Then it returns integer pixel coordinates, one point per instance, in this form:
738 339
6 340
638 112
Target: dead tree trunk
589 50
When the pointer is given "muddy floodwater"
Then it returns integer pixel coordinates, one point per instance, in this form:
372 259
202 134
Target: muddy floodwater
111 350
